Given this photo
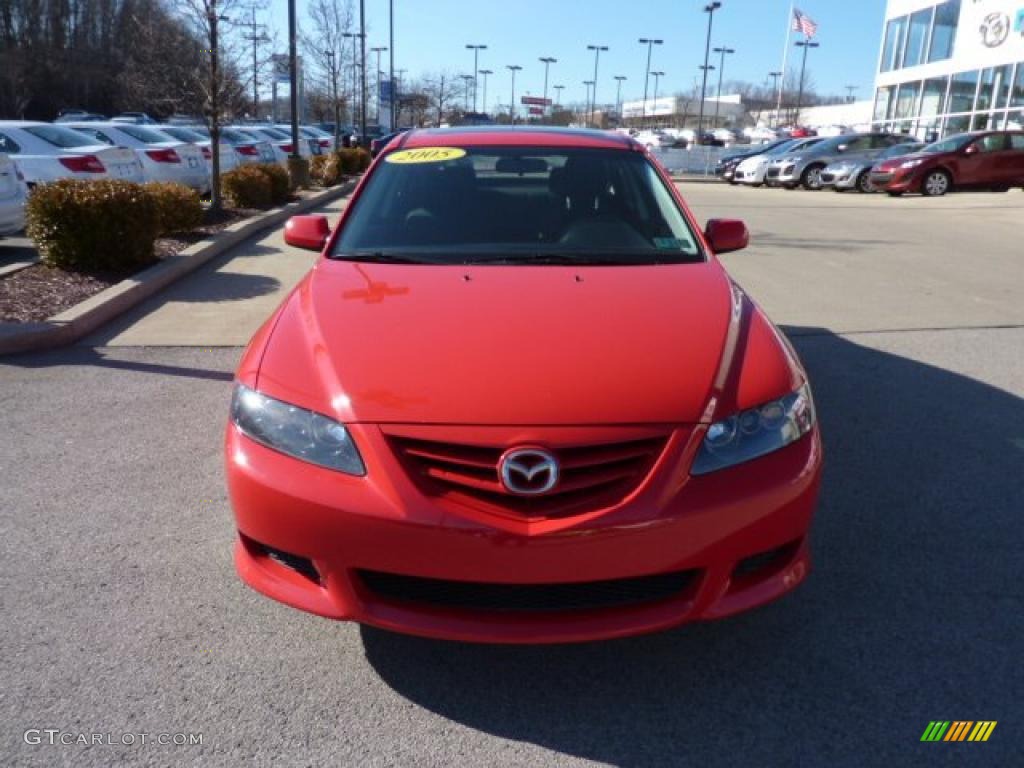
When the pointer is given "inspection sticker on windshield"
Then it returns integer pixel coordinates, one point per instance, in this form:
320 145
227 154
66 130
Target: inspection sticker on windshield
425 155
671 244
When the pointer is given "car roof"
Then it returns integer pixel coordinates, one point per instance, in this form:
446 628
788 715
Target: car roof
517 136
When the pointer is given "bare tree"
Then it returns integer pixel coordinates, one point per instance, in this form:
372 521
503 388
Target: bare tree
214 79
442 90
326 49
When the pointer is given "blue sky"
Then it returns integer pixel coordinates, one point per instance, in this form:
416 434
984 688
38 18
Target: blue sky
431 35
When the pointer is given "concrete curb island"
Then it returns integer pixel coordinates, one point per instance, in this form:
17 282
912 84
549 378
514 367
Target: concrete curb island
84 318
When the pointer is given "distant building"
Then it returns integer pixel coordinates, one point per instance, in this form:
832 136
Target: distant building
680 112
949 67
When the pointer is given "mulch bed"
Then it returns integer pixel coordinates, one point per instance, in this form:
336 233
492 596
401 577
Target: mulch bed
39 292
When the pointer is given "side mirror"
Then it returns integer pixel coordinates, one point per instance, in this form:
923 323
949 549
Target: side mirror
725 235
308 232
971 149
843 147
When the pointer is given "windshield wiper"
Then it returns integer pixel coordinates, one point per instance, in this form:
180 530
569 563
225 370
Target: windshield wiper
381 257
588 259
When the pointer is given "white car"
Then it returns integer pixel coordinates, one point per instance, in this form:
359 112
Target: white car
752 170
247 148
13 193
649 139
45 152
278 139
163 158
319 141
760 134
229 159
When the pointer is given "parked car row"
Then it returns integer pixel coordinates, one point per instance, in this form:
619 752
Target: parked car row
878 161
132 147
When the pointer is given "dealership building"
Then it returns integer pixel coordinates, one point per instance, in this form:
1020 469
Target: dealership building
950 66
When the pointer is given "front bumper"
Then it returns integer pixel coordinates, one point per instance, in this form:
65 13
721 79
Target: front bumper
12 215
339 527
898 180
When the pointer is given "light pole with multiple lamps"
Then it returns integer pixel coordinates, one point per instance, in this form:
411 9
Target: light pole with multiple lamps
657 76
805 44
547 61
649 42
775 89
331 57
709 9
618 95
721 71
597 56
356 69
475 48
513 68
378 50
485 73
467 79
558 94
589 84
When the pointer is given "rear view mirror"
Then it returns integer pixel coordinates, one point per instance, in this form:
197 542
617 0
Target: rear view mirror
308 232
521 165
725 235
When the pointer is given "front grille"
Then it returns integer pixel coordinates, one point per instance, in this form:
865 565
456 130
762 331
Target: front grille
828 178
527 598
591 476
772 173
788 170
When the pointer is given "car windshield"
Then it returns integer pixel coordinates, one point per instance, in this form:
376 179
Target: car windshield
65 138
447 205
901 149
782 148
182 134
950 144
273 133
145 135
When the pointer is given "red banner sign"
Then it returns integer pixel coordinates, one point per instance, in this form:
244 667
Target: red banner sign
536 100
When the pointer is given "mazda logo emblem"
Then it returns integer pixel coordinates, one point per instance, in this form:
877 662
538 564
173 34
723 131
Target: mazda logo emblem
528 471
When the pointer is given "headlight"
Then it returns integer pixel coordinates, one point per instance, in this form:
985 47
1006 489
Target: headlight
911 163
295 431
750 434
793 159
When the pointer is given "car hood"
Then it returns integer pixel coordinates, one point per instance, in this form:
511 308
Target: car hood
891 163
501 344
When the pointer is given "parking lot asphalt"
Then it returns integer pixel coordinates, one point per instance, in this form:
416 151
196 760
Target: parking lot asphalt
122 613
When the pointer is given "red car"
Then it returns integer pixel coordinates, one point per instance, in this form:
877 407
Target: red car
985 160
519 399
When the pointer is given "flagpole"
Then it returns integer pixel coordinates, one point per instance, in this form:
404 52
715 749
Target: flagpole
785 55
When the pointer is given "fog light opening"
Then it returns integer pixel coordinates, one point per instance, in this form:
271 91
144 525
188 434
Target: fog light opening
769 561
300 565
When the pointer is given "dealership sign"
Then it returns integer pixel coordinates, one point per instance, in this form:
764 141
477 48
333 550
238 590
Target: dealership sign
990 33
536 101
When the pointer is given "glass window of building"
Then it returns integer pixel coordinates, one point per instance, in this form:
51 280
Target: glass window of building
1017 92
962 90
933 101
883 103
957 124
995 85
906 100
892 50
917 37
1015 121
944 30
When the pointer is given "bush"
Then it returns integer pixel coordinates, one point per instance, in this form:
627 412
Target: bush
178 206
93 226
280 184
354 160
326 170
247 187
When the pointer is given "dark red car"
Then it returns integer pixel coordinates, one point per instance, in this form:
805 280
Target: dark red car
986 160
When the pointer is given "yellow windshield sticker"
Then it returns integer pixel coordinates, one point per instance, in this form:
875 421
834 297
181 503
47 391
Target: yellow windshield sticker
425 155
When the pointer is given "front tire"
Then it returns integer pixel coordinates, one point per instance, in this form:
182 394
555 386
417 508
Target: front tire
864 184
936 184
895 194
811 177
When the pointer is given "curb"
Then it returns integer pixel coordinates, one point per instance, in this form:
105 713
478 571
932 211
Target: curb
84 318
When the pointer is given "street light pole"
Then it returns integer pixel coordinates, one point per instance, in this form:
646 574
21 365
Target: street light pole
805 44
618 95
391 63
850 90
548 61
467 79
597 56
485 73
355 72
709 9
558 94
587 83
649 42
775 88
721 71
378 50
657 77
362 70
476 63
513 68
337 106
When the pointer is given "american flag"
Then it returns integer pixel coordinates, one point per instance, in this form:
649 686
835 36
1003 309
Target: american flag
804 23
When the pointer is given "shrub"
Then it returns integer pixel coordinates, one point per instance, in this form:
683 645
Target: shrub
326 170
247 187
280 184
178 206
93 226
352 160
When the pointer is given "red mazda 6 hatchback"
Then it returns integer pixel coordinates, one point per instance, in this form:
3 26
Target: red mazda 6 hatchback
519 399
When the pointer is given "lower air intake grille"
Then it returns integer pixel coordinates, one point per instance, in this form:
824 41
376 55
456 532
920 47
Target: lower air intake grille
527 598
